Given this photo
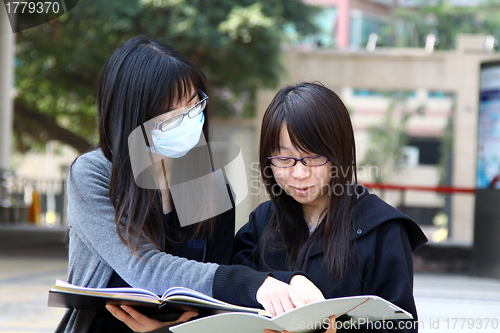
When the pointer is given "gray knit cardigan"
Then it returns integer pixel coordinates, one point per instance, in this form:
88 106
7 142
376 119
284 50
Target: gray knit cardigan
95 249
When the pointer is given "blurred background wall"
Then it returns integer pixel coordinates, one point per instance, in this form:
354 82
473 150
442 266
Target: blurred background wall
407 70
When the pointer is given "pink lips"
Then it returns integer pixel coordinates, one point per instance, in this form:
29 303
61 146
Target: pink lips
301 190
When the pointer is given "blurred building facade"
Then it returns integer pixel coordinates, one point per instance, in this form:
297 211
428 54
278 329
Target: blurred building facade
348 24
444 83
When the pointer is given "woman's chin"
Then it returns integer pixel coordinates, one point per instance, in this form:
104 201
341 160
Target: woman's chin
304 200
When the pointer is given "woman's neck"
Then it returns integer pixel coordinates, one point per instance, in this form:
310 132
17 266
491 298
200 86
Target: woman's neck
314 215
161 172
315 211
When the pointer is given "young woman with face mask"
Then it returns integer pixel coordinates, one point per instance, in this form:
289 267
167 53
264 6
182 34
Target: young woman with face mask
126 228
318 219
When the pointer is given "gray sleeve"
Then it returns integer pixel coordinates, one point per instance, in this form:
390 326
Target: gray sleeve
91 216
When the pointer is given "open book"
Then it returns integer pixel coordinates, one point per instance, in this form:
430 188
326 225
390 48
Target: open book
219 317
174 300
354 310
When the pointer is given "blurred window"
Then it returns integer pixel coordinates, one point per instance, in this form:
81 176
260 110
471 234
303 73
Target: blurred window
429 150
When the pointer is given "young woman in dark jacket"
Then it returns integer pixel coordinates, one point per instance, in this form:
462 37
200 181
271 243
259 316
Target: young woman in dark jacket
349 242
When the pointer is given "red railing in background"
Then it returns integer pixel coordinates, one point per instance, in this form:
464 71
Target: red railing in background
447 190
404 188
439 189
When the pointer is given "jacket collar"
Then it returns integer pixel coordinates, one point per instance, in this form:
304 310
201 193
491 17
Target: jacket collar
370 212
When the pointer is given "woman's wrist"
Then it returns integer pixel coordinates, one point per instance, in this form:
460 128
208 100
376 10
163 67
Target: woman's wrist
238 285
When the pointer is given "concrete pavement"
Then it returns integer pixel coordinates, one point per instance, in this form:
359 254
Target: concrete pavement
24 285
31 259
457 303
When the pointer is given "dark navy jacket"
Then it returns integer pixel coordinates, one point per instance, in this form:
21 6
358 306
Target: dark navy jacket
383 240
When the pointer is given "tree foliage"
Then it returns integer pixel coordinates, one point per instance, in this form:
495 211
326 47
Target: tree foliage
388 138
409 26
236 42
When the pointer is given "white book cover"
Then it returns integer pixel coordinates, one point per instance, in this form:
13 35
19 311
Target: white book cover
304 319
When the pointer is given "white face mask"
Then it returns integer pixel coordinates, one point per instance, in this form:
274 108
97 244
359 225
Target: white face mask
179 140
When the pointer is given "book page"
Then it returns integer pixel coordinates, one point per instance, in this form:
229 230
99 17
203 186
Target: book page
378 308
222 305
181 291
307 318
311 316
187 295
125 291
227 323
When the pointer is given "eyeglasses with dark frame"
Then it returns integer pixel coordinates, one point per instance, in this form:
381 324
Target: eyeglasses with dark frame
288 162
176 120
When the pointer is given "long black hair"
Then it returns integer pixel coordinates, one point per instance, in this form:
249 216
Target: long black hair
141 80
317 122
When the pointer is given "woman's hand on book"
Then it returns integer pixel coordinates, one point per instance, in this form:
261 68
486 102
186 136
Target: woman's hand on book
306 290
277 297
138 322
331 327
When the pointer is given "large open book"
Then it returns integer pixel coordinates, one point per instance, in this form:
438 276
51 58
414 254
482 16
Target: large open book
351 312
174 300
219 317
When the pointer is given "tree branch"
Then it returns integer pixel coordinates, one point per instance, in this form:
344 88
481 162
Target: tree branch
42 127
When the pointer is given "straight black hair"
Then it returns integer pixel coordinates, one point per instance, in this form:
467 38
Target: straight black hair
318 123
141 80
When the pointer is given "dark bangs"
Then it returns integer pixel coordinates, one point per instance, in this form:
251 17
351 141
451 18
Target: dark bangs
167 77
177 78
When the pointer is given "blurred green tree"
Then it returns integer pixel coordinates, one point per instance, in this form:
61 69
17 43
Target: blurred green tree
236 42
407 27
387 139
